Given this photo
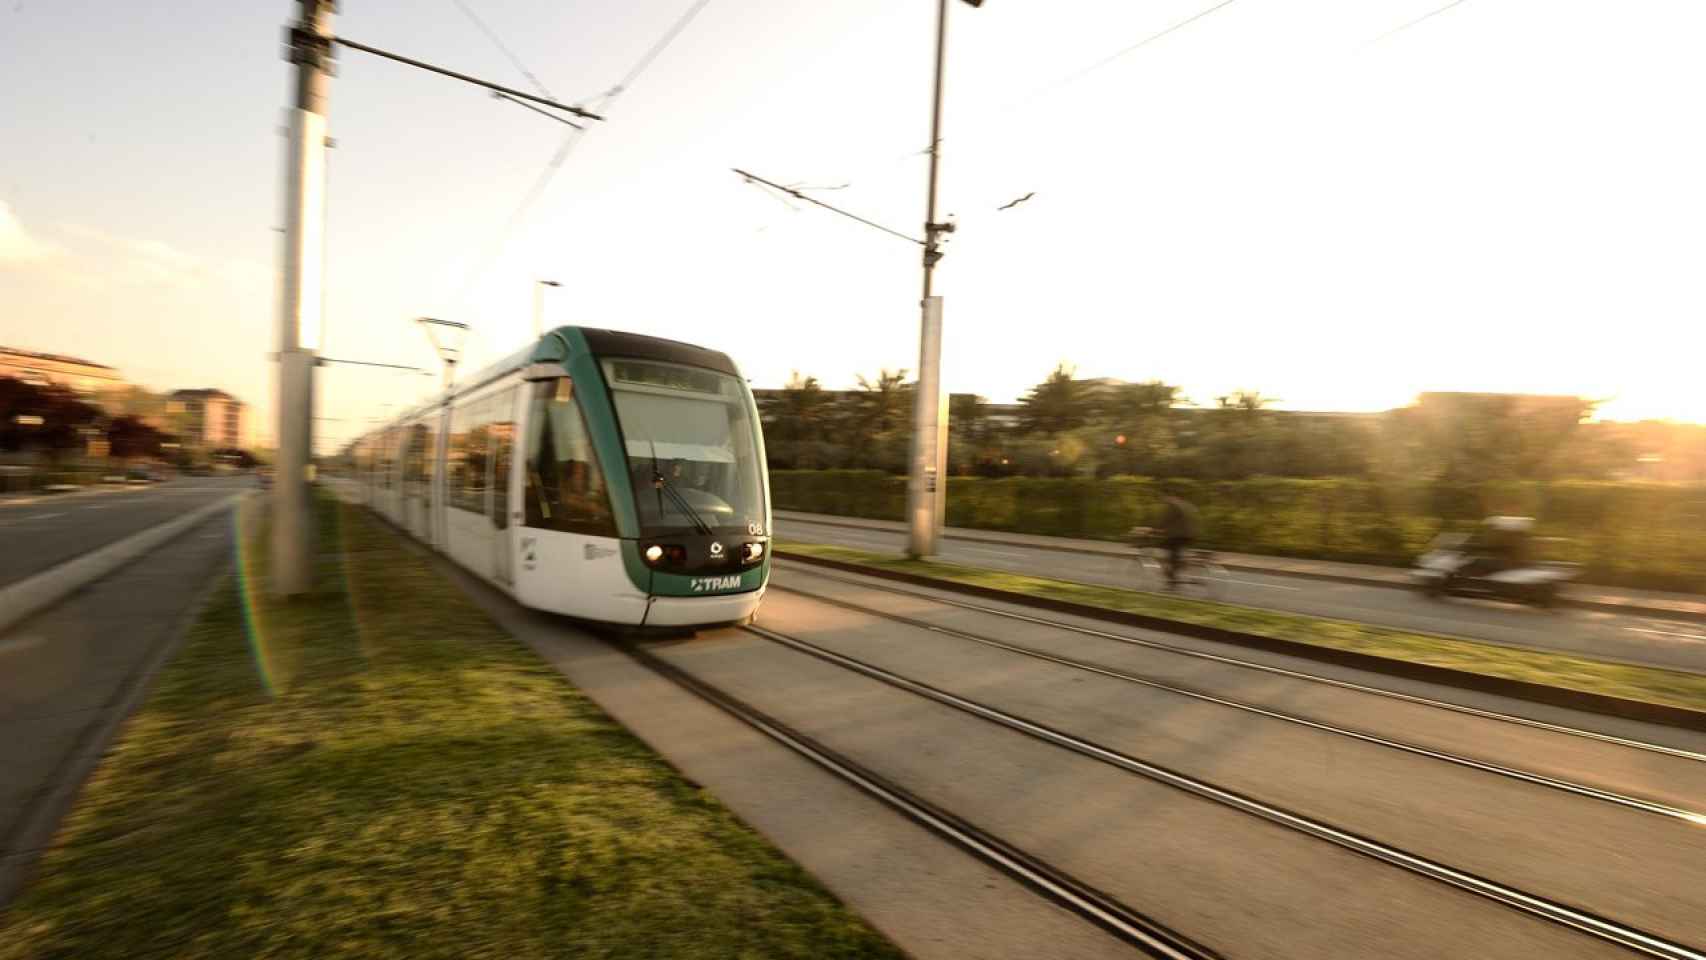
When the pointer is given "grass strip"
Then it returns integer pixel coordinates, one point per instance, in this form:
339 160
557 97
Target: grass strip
377 770
1650 684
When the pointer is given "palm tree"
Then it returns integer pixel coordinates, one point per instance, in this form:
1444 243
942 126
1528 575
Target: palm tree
794 421
877 409
1140 400
883 403
1058 404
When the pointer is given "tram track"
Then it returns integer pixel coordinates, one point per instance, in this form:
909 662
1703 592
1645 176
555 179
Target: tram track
1582 921
1692 817
1245 664
1053 884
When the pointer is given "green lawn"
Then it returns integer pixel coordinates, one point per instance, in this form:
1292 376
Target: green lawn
1561 670
378 771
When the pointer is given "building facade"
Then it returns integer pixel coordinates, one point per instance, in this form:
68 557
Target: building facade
210 419
92 381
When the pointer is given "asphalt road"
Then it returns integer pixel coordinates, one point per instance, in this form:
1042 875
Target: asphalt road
70 674
40 532
1637 639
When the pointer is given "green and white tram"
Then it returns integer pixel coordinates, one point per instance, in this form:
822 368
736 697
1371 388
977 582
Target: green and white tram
602 475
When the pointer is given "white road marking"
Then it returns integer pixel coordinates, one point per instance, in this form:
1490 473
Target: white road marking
1669 633
1253 583
43 516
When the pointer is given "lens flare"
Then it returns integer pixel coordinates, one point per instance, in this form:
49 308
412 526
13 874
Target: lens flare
246 540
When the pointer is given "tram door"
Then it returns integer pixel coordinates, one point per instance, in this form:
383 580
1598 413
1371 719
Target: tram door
503 458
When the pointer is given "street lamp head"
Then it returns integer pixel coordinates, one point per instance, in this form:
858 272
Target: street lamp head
550 283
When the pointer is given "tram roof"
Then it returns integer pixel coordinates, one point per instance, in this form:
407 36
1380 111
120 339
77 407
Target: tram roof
554 346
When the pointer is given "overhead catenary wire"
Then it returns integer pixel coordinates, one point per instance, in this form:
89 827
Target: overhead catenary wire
520 67
503 48
573 139
1126 51
1408 24
1066 80
790 191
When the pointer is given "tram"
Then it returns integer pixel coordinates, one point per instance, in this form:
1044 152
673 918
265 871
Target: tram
603 475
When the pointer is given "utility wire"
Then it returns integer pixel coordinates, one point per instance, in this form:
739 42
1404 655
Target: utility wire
573 139
1075 76
507 52
790 191
658 48
1139 45
1405 26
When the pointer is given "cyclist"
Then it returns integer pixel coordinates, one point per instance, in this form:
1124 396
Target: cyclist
1178 529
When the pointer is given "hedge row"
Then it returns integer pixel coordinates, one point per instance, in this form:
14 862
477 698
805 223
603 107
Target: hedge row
1637 535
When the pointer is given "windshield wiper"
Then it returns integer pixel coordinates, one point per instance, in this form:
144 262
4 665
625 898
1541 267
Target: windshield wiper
662 484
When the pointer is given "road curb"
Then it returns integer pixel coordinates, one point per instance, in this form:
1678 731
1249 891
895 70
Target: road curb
1113 551
32 595
1539 693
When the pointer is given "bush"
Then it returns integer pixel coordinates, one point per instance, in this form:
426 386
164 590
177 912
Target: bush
1624 534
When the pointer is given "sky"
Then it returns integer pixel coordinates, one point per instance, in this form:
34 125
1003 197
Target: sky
1285 197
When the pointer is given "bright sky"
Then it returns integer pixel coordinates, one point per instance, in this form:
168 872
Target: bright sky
1505 196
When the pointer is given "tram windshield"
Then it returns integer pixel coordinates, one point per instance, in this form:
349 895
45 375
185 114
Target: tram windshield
692 448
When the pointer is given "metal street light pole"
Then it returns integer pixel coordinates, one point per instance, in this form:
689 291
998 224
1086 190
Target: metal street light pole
539 305
300 311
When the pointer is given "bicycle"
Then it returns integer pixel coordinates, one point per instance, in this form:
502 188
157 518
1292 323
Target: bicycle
1199 574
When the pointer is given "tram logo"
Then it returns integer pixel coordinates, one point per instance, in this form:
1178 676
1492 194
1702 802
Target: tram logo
709 584
716 549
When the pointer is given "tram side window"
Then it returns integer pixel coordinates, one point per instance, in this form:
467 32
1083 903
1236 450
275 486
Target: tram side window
415 464
456 457
429 455
478 457
503 452
565 488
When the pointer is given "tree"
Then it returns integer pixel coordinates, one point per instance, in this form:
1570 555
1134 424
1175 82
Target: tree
795 422
882 405
1137 400
1244 401
49 418
128 436
1056 405
1475 437
968 416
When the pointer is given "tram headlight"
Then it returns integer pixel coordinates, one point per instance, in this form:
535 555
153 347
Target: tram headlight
752 552
665 555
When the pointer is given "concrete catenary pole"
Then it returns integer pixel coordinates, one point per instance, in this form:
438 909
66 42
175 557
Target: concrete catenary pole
927 483
310 49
